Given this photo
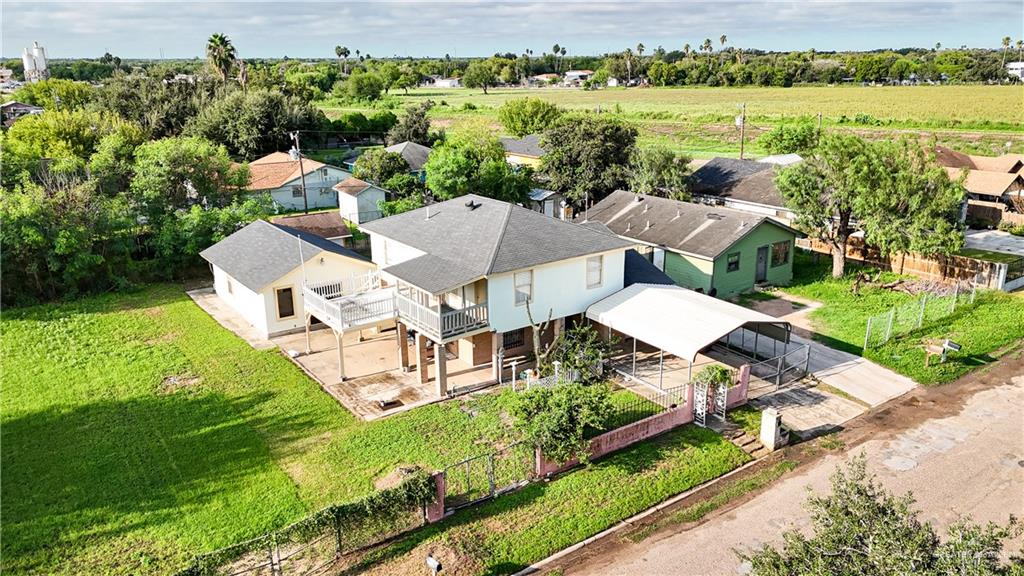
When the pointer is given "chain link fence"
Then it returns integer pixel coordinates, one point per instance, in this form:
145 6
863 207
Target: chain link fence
906 318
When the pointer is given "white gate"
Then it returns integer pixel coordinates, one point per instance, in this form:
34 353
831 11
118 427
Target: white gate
721 397
700 403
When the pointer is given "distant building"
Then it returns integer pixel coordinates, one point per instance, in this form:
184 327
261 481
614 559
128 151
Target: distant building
543 79
359 201
6 74
745 185
36 68
1015 69
448 83
576 77
13 110
279 175
415 155
525 151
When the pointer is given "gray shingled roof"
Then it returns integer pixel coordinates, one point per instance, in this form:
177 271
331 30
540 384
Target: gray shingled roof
744 180
262 252
465 243
415 154
696 229
528 145
640 270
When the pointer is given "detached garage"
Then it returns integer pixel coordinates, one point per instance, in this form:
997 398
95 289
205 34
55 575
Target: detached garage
259 272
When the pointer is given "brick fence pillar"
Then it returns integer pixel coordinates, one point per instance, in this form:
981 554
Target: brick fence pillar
435 510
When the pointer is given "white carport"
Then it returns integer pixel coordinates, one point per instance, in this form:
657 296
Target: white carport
679 321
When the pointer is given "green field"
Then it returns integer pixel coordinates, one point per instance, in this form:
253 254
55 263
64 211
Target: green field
699 121
138 432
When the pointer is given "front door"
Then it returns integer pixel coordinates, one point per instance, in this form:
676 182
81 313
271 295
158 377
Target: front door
761 271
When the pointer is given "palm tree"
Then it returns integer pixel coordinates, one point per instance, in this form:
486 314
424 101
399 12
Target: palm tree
221 54
1020 49
707 46
813 53
562 52
938 46
640 50
723 39
555 50
342 53
243 74
686 49
1006 46
629 65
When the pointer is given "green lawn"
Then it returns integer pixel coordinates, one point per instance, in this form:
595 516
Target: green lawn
748 418
515 530
990 325
138 432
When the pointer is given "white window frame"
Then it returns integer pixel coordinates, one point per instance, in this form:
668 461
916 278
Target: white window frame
516 284
277 303
296 191
599 259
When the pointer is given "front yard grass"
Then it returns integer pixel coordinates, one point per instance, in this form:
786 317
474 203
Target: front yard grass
513 531
138 432
748 418
988 326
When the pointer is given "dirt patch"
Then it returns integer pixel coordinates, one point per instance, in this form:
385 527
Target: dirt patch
395 477
153 311
178 382
163 338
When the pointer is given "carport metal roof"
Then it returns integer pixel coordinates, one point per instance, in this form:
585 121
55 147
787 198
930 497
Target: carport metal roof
677 320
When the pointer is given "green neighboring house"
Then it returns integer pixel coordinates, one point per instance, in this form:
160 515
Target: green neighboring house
710 249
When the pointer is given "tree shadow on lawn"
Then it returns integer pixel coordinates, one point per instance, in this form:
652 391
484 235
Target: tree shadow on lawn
148 296
636 459
153 463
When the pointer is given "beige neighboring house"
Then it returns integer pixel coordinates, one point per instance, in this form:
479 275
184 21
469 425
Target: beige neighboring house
358 200
279 175
990 186
260 270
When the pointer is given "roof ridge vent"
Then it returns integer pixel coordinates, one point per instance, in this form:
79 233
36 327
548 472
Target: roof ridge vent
714 216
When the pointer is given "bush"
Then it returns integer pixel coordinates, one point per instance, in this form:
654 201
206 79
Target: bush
556 419
524 116
377 166
790 139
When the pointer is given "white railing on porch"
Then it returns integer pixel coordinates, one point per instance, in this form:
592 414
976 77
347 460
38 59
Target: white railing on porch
354 284
441 325
351 311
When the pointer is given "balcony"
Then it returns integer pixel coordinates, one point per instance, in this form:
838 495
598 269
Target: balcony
440 322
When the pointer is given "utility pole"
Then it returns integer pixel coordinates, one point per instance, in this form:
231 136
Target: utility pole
743 127
302 172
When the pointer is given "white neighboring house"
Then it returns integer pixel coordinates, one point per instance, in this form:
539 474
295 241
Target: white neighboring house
278 174
448 83
576 77
1015 69
259 273
358 201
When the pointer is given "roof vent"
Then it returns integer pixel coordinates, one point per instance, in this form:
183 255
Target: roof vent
648 226
473 205
678 213
713 216
646 208
628 226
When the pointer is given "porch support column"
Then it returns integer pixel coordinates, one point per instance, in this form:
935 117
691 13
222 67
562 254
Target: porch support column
339 338
403 346
421 357
495 360
689 370
309 320
661 367
559 327
441 370
757 332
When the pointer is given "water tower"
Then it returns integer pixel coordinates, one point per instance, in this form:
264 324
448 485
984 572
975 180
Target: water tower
36 68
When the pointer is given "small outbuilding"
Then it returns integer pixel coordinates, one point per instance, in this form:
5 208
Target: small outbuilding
259 271
359 201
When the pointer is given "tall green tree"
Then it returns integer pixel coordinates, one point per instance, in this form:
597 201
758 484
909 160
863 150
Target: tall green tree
413 126
377 166
586 157
522 116
800 138
220 53
473 161
480 74
660 172
861 528
55 94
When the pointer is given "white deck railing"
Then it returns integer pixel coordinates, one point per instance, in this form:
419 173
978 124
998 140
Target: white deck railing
351 311
441 325
354 284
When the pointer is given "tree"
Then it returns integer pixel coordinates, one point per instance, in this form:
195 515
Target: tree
254 123
1006 46
660 172
113 163
556 419
479 74
377 166
523 116
55 94
903 201
473 161
400 205
413 126
161 108
860 528
587 157
405 185
790 138
220 53
389 73
580 350
179 172
363 86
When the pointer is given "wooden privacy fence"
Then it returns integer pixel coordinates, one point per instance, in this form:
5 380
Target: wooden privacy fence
942 269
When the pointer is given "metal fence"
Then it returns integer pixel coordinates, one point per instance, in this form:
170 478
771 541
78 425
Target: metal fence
909 317
774 373
488 475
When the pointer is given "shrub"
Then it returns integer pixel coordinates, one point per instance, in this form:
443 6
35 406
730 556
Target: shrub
524 116
555 419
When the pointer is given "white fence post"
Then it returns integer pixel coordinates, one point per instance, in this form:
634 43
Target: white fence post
888 329
956 294
867 333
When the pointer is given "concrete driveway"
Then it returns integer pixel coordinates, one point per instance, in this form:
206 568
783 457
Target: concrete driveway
994 240
966 460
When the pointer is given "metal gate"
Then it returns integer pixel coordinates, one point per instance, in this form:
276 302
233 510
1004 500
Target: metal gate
774 373
488 475
700 403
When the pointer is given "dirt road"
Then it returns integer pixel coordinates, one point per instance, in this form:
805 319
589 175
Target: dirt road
958 448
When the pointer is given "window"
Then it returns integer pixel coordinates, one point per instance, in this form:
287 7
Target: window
732 262
780 253
514 339
595 271
285 303
296 191
231 287
524 287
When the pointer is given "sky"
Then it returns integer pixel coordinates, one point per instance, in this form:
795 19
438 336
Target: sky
145 29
